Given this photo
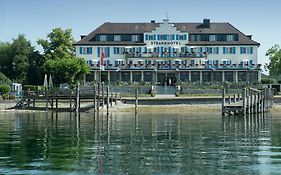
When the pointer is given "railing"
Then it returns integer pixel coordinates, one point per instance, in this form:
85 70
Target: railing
164 55
178 66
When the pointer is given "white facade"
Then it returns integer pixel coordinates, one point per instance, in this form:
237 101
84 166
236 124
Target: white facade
173 46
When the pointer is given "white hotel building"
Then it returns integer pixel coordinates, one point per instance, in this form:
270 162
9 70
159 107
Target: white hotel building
167 52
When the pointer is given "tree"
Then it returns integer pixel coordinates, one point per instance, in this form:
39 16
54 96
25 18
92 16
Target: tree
14 58
274 65
3 78
35 74
60 60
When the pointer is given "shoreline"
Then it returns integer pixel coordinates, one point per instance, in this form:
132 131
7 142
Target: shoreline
123 107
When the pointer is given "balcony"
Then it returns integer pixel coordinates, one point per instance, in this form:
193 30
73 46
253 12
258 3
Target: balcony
168 66
165 55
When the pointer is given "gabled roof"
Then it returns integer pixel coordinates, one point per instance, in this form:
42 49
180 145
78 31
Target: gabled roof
191 28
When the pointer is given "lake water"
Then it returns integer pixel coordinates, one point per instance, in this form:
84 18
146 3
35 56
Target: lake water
122 143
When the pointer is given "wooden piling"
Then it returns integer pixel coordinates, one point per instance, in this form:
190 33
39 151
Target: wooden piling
57 103
98 106
223 101
244 101
111 100
136 101
70 101
116 98
47 101
107 100
95 97
77 99
102 92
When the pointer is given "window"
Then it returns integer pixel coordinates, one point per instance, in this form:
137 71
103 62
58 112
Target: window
103 37
117 38
86 50
229 50
230 38
209 50
246 50
192 37
135 38
212 38
182 37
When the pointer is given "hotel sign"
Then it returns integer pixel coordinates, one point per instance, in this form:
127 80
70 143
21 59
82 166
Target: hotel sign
165 43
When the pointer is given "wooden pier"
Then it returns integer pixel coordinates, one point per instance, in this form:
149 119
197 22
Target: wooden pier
95 98
249 101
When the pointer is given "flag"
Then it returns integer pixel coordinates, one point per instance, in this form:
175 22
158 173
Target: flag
102 60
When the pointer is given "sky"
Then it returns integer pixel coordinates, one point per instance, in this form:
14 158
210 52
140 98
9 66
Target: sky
36 18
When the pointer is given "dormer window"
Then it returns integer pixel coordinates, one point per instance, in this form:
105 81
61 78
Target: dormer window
212 38
230 38
103 38
117 38
135 38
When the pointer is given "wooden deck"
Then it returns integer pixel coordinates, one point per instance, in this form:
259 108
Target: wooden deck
250 101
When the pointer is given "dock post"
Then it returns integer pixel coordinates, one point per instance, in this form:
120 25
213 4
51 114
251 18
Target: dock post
102 92
116 98
244 101
70 101
47 100
111 100
57 103
229 100
107 100
263 100
77 99
251 101
33 102
223 101
248 96
95 96
52 103
98 106
136 101
234 98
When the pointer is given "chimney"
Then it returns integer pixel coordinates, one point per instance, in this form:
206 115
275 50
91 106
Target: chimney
152 21
82 36
206 23
249 36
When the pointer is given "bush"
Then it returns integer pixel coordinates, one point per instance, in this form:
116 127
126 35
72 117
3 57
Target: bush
268 81
177 94
33 87
12 97
5 88
153 93
5 96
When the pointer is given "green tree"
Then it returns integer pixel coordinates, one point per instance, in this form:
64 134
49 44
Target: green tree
35 74
5 49
274 65
14 58
3 78
60 60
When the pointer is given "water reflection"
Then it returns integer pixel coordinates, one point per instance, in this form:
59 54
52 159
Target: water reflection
124 143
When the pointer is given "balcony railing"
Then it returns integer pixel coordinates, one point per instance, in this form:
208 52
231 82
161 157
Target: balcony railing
178 66
165 55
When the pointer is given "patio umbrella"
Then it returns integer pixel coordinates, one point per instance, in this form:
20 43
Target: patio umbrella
51 82
45 84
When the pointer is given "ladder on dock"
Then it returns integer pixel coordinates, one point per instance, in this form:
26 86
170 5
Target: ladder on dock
249 101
